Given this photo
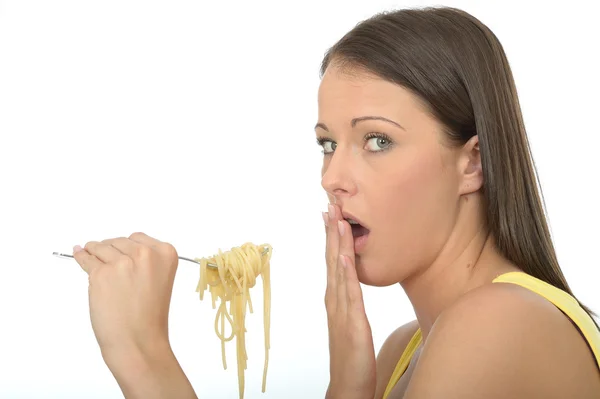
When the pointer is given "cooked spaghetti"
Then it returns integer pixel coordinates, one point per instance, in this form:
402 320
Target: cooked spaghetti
230 281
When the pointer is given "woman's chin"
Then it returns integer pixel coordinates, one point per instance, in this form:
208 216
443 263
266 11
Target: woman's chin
374 276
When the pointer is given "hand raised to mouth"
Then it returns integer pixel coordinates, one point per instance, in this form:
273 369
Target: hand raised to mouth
352 355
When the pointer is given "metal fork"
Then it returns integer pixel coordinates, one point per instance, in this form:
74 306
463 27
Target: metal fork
212 265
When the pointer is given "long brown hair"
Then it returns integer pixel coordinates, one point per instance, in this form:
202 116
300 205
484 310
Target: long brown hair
458 67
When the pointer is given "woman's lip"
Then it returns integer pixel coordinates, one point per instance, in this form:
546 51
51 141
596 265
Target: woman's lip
348 215
360 243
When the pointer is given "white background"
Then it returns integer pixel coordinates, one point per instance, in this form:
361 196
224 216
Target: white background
193 122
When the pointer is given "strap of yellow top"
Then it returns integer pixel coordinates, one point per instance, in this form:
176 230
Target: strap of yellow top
561 300
402 364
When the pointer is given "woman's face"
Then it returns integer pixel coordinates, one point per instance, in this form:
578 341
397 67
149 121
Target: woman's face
384 163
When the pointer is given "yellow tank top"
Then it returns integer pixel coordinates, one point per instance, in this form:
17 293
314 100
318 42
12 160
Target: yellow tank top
558 297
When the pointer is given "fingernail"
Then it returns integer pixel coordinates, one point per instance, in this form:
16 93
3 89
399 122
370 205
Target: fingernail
343 259
331 212
76 249
341 227
324 214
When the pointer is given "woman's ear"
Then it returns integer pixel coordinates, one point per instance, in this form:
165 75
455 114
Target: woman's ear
470 170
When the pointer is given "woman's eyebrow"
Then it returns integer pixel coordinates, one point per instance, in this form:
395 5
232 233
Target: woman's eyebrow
375 118
322 126
355 121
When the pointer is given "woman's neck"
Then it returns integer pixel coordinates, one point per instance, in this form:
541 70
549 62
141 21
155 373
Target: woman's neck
466 262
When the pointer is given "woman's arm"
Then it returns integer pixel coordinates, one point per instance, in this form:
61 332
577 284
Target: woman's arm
150 374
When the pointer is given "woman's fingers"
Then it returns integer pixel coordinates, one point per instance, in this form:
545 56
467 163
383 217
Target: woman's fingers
343 288
332 245
103 251
87 261
331 257
346 240
343 232
332 237
126 247
350 281
115 250
147 245
353 289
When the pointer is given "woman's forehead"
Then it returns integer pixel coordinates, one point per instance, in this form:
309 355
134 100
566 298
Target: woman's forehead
364 89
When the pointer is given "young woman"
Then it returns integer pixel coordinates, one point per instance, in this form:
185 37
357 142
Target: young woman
432 186
431 183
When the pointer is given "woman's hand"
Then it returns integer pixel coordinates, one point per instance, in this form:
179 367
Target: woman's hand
130 285
131 281
351 351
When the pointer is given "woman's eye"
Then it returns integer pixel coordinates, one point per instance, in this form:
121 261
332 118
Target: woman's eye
378 143
329 147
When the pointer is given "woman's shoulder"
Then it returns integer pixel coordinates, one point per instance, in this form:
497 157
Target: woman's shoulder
512 341
390 353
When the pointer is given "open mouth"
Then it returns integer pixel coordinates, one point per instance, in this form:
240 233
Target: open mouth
360 233
358 230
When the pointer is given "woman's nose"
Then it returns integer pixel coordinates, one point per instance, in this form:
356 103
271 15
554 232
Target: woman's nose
338 179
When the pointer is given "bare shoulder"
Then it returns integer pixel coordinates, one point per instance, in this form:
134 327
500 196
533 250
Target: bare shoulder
390 353
504 341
